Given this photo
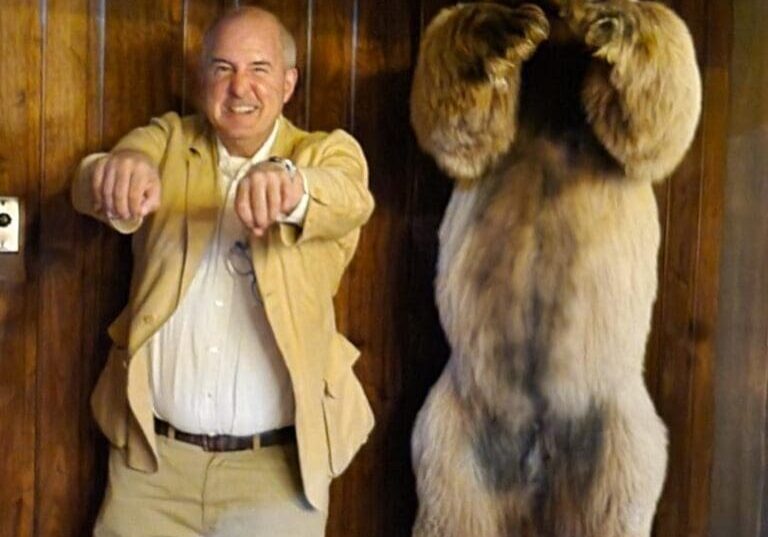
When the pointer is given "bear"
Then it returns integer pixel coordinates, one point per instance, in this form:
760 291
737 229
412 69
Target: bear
554 118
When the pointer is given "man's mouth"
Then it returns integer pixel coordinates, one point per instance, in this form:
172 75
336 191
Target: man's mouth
242 109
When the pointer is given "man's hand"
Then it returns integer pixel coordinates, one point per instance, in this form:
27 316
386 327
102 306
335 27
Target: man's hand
126 185
264 194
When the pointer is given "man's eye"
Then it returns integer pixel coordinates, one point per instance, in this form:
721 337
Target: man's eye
220 69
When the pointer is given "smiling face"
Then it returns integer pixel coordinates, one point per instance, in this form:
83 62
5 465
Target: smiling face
246 80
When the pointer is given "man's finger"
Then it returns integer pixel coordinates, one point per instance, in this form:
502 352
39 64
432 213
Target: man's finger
152 198
257 231
108 187
274 198
137 191
293 190
285 199
258 194
97 179
123 177
243 203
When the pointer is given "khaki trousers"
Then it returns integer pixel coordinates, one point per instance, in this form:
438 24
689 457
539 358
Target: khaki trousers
251 493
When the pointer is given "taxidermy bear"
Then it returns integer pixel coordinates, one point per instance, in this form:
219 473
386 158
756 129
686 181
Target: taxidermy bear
554 119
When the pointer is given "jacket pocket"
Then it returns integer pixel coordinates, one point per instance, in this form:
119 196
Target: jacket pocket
348 415
109 401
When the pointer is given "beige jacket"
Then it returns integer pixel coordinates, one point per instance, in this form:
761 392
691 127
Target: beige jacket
298 271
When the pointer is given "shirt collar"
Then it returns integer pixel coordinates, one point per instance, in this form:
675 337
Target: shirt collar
231 165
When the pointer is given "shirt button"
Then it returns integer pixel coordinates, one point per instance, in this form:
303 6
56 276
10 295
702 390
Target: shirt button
219 303
213 350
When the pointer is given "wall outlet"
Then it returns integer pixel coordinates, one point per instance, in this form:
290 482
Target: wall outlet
10 225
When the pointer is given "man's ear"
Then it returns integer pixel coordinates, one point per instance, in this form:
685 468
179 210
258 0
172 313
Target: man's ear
291 78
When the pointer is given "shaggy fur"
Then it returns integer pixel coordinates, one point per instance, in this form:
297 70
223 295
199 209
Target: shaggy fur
554 119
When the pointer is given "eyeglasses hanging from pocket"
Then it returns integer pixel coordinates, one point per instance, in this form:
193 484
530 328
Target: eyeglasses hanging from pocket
239 263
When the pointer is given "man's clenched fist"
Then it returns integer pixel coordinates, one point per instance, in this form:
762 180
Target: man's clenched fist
264 194
126 185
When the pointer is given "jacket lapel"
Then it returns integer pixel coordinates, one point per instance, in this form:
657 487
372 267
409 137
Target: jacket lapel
203 199
285 140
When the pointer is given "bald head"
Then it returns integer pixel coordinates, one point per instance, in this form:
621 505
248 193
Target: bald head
259 17
247 76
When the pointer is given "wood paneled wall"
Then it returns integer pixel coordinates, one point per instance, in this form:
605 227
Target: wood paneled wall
739 481
77 74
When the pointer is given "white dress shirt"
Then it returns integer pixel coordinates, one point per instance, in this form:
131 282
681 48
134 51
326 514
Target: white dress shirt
215 365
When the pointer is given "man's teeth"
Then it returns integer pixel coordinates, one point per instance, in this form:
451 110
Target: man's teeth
242 109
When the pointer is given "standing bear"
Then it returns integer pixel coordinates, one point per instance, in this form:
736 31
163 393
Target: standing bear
554 118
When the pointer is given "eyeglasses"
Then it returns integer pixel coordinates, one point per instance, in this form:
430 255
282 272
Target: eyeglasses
239 262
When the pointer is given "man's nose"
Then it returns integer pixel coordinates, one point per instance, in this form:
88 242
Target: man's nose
239 84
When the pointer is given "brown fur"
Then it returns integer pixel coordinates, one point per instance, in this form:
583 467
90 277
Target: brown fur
554 124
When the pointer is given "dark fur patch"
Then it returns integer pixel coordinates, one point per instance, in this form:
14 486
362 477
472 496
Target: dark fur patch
577 449
489 33
508 459
550 457
579 445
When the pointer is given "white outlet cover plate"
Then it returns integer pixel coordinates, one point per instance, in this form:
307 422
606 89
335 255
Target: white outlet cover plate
9 236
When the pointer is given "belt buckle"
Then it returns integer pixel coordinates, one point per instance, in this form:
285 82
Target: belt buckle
209 443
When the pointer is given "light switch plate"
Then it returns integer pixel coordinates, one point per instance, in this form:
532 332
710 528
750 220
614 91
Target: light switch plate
10 225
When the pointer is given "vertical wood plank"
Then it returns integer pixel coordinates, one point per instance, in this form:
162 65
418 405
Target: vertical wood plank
20 151
68 487
741 390
95 342
329 95
144 62
715 57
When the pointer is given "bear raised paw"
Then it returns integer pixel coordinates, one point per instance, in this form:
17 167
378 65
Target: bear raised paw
554 118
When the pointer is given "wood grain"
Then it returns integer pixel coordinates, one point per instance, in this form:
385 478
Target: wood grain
66 483
739 494
703 330
370 302
330 94
20 154
144 63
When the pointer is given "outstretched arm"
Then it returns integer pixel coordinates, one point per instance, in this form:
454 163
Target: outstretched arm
643 100
466 83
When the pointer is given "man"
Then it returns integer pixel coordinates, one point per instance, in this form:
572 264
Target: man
228 396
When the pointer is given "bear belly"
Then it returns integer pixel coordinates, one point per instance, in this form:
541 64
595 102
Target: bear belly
546 280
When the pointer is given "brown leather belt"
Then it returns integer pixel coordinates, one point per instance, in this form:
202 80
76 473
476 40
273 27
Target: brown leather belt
225 442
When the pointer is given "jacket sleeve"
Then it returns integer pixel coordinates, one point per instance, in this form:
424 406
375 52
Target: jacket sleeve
152 140
337 177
